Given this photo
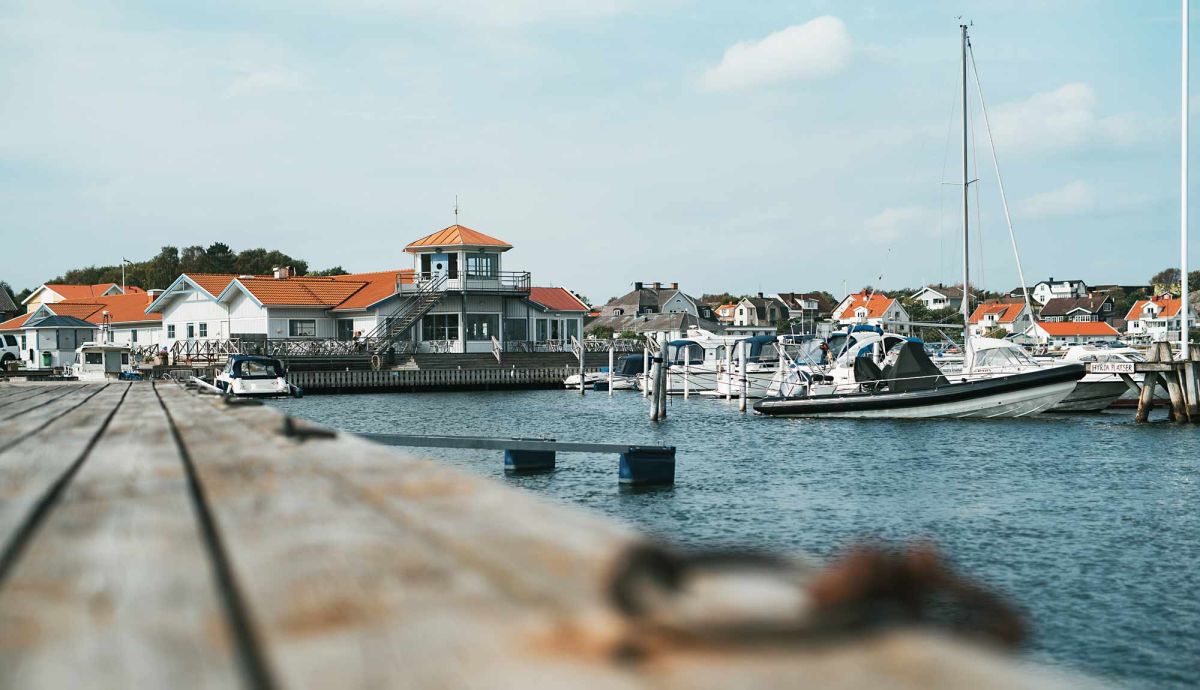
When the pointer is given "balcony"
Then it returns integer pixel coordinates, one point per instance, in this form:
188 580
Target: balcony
500 282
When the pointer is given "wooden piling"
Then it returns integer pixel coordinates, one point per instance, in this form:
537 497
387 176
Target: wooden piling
1149 382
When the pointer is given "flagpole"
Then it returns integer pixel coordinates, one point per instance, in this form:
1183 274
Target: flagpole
1183 198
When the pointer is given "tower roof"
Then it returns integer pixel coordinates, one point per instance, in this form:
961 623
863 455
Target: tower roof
457 236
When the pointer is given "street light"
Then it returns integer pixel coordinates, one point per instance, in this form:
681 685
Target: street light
106 326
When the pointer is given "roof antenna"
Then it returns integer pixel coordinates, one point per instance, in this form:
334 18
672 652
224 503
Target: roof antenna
456 209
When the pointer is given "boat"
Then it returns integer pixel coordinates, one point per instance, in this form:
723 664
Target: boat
103 362
764 354
590 379
253 376
1100 391
695 362
875 378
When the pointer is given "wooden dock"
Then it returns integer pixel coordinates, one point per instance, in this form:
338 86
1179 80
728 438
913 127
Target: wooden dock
154 538
419 380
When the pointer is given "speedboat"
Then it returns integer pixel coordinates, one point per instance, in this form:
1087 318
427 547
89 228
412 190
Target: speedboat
255 376
910 386
103 362
764 354
694 362
1099 391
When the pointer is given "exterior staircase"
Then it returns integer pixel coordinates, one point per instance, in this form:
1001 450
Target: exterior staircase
395 326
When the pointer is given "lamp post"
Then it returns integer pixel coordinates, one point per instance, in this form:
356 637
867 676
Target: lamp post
106 326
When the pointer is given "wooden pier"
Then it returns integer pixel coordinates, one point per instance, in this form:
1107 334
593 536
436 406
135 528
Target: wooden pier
154 538
1180 378
418 380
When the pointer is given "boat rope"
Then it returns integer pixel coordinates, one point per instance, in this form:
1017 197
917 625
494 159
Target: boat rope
1000 183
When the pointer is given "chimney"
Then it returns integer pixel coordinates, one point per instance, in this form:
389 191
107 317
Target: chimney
760 295
153 292
281 272
637 285
657 285
674 286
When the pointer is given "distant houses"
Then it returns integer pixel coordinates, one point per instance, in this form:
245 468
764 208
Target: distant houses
113 316
999 317
1063 333
1092 307
939 297
1154 319
654 307
874 309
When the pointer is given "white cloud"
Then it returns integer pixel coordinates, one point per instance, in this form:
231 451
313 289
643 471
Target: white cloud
263 81
812 50
1071 199
902 221
1059 120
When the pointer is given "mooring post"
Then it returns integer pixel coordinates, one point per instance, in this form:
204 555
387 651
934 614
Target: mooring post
647 466
1171 382
528 460
728 373
611 354
1191 383
664 377
581 377
1149 382
646 369
652 385
742 375
687 370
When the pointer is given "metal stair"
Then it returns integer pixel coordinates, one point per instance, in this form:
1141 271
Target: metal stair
395 326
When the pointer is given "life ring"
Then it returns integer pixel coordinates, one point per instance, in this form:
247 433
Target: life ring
376 362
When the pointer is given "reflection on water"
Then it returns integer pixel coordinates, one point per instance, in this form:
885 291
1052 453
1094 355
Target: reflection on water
1090 522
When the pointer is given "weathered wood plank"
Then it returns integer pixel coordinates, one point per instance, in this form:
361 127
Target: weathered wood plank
362 567
31 470
13 394
46 395
117 578
17 428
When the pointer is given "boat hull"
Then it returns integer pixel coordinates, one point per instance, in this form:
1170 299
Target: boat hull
1092 396
1019 395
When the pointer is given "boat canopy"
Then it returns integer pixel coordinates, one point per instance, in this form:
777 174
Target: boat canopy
694 350
995 352
629 365
255 367
912 370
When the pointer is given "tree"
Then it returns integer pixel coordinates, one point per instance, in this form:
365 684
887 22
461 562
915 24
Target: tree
162 270
334 271
193 260
8 288
261 261
219 258
601 332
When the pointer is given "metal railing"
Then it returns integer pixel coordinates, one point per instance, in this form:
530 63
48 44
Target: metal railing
500 281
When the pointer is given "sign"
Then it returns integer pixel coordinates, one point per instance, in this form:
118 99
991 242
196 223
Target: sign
1110 368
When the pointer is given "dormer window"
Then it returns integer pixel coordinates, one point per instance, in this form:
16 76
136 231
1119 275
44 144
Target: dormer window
483 265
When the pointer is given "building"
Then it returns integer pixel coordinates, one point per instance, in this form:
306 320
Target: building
118 318
1064 333
805 309
873 309
1047 290
1010 316
455 298
938 297
1155 319
49 293
49 341
725 312
759 310
8 308
1094 307
635 311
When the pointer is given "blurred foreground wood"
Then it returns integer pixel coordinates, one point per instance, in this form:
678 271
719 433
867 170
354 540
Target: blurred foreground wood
150 537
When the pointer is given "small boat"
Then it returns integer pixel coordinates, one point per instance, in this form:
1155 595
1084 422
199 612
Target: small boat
695 359
590 379
911 386
255 376
103 362
1096 391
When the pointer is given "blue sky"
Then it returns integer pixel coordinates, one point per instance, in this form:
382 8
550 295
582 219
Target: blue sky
772 146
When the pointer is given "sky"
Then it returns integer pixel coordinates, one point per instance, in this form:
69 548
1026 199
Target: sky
741 147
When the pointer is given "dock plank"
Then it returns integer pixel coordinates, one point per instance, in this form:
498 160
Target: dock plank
13 394
363 567
18 428
44 396
117 578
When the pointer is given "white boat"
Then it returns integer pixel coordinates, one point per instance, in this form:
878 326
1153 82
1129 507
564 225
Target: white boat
103 362
695 360
254 376
1098 391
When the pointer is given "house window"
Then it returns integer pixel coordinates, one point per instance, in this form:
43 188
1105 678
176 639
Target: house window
133 335
572 328
203 330
439 327
93 358
618 312
191 331
483 326
302 328
482 265
541 330
555 329
170 330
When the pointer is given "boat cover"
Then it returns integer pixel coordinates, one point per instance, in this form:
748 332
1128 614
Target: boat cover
912 371
865 370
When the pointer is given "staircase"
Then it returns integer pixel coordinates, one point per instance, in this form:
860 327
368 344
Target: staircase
400 321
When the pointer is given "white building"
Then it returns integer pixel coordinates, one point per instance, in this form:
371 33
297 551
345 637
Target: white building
937 297
759 311
49 341
118 317
50 293
1064 333
1155 319
1010 316
872 309
1049 289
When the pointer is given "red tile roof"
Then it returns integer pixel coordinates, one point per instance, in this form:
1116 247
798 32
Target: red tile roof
380 286
877 305
15 323
556 299
121 308
1168 308
301 290
1069 328
1006 312
81 291
212 283
457 235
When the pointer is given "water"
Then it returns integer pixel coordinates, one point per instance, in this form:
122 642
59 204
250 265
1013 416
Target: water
1089 522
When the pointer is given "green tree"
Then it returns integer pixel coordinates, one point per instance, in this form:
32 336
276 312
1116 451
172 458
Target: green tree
334 271
219 258
193 260
163 269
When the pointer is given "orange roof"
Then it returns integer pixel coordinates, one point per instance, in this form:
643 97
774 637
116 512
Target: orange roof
1168 308
556 299
81 291
212 283
380 286
301 290
1006 312
1067 328
14 324
121 308
876 303
458 235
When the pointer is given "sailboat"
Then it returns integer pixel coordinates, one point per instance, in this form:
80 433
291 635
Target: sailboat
909 385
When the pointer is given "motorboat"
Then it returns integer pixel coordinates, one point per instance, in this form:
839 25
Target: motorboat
255 376
911 386
766 355
694 362
590 379
103 362
1099 391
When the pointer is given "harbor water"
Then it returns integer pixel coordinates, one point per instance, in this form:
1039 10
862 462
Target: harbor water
1090 523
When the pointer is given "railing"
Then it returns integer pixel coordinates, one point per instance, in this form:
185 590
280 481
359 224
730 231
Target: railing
496 348
619 345
537 346
406 315
500 281
219 350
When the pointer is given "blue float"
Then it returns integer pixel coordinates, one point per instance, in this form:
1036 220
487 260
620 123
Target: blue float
523 460
644 466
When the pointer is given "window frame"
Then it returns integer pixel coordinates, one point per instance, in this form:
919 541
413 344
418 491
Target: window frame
293 328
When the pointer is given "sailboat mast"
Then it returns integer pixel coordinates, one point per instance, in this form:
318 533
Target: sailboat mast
966 286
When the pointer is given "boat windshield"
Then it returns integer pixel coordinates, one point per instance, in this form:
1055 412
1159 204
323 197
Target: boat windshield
1004 357
256 369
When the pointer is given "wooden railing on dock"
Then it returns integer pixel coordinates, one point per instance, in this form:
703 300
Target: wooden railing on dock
430 379
153 538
